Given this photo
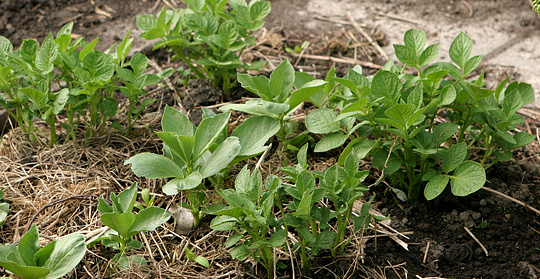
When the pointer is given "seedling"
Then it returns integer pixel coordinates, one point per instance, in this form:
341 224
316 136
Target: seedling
198 259
29 260
120 217
249 214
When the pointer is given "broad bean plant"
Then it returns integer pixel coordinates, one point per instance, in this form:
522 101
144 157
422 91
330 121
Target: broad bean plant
192 154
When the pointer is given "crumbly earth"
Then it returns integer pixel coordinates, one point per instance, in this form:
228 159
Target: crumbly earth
505 31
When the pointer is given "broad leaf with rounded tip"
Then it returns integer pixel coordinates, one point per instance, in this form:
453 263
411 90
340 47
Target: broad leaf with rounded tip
435 186
153 166
468 178
221 157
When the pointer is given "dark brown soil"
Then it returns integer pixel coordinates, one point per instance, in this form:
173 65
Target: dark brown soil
439 246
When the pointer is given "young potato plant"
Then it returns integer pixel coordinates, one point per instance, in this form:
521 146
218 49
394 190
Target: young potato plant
120 217
192 154
399 110
281 95
249 215
62 75
29 261
250 211
209 36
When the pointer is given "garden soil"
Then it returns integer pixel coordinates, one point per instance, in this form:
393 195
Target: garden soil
484 235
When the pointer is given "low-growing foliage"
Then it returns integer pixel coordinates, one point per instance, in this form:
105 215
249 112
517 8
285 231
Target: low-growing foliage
281 95
29 260
209 36
120 217
62 75
192 154
393 116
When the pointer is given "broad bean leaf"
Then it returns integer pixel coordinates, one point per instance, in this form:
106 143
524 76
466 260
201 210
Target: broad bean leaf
191 181
175 121
221 157
331 141
208 132
254 133
153 166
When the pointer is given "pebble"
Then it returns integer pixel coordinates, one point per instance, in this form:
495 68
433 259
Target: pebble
476 215
464 216
483 202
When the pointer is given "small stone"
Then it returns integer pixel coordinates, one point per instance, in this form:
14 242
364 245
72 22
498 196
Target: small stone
476 215
483 202
464 216
404 221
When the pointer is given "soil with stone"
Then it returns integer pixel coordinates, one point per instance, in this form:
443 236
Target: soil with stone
439 243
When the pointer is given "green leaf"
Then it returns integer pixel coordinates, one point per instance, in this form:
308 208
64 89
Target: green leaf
67 254
304 93
232 240
405 54
444 131
278 238
119 222
175 121
415 39
36 96
146 22
331 141
259 85
29 245
208 132
88 48
448 95
61 99
46 55
322 121
5 45
460 49
149 219
139 63
221 157
360 146
191 181
98 65
126 199
25 272
401 113
227 33
196 5
258 10
454 156
435 186
304 207
202 261
281 81
108 107
240 252
468 178
512 103
388 85
429 54
472 64
153 166
522 139
254 133
205 23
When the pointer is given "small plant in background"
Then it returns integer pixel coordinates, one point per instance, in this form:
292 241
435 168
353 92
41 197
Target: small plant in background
192 154
298 48
126 224
208 36
73 77
536 6
278 99
29 260
198 259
